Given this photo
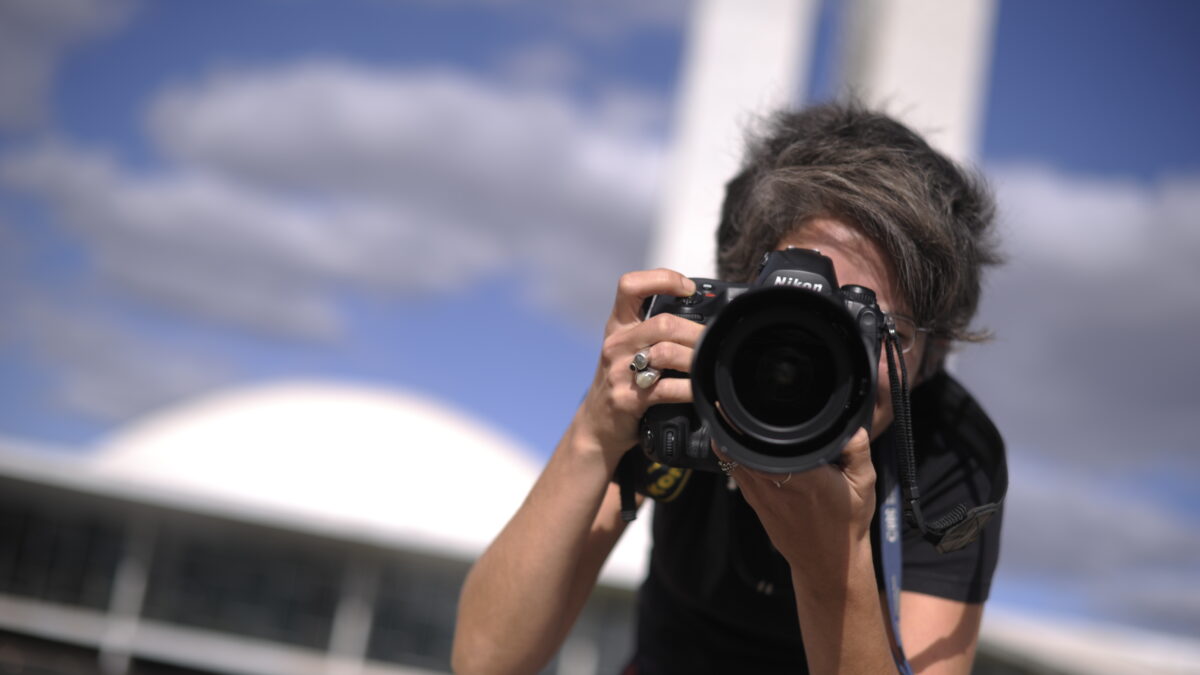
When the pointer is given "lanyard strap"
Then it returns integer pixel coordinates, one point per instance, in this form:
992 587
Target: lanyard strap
892 554
890 510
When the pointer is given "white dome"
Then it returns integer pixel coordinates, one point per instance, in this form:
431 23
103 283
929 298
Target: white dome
372 463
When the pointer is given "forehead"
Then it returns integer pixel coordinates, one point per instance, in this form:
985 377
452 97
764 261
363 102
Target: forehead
856 258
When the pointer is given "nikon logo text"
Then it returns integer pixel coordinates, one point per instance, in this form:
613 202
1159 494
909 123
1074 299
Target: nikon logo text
781 280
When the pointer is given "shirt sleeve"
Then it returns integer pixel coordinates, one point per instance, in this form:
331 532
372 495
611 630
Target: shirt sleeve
964 575
955 441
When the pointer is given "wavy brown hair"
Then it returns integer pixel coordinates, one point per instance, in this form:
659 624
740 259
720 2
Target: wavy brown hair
933 218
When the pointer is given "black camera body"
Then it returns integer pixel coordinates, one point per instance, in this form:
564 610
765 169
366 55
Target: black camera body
784 374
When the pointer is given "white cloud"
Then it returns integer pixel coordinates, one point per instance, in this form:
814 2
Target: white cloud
192 239
33 36
1093 381
102 369
545 63
1058 510
286 181
1094 538
1097 316
397 134
1087 223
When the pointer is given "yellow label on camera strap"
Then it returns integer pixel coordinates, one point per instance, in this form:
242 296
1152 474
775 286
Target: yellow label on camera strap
664 483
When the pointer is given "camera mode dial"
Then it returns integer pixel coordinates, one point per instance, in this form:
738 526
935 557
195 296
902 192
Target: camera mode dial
859 294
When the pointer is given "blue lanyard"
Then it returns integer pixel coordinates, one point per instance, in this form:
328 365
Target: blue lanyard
890 521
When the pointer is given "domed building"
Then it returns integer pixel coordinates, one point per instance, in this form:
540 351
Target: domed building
312 527
297 527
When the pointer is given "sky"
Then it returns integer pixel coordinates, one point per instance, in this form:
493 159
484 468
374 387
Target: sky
440 196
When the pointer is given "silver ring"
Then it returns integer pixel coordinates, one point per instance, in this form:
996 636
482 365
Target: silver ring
646 378
641 361
781 483
727 467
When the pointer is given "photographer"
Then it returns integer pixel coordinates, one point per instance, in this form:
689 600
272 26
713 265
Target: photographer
763 572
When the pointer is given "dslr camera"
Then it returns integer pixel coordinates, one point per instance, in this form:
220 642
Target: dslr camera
784 374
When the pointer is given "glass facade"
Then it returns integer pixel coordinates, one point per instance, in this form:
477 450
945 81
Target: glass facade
414 612
242 580
60 551
252 583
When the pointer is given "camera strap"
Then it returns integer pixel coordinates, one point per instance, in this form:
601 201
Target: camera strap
626 480
892 554
961 525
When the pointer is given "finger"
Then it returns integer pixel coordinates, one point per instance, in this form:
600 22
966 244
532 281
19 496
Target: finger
664 328
620 347
634 400
668 341
669 390
635 287
856 456
670 356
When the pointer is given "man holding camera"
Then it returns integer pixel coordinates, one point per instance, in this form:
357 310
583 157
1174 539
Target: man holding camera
772 570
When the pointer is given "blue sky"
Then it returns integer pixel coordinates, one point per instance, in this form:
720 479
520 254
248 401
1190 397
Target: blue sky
97 102
440 196
1105 87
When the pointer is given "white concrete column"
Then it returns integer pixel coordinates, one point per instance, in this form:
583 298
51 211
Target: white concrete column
128 594
925 62
742 59
352 621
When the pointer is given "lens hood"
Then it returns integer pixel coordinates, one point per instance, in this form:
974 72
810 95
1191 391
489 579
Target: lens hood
784 378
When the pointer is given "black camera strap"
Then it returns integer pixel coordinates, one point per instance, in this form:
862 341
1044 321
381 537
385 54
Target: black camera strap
626 479
961 525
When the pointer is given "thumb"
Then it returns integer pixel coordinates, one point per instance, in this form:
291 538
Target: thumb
856 456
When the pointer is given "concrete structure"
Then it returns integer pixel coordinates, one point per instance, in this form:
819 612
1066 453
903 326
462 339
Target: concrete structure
923 61
290 528
325 528
742 60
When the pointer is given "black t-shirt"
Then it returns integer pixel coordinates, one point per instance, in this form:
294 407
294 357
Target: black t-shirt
718 597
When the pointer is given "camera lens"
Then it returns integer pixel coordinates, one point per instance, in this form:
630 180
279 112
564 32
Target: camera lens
783 376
